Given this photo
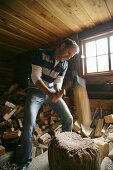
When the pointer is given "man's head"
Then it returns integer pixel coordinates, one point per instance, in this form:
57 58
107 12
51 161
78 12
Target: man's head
67 49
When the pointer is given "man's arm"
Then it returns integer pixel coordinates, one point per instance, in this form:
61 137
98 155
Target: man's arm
54 96
36 78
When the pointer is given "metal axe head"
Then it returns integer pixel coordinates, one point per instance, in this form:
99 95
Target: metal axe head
78 81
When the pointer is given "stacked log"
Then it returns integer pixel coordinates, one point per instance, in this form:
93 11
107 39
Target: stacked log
11 120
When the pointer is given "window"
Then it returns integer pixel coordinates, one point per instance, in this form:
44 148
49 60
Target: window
98 54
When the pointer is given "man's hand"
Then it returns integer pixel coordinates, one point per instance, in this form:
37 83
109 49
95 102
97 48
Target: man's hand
55 96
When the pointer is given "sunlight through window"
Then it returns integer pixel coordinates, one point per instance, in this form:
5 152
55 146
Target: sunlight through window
99 54
111 44
91 49
102 46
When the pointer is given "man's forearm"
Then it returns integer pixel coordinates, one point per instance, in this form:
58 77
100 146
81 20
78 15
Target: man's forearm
53 96
41 85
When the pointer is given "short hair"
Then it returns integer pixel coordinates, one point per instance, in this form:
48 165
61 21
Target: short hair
69 42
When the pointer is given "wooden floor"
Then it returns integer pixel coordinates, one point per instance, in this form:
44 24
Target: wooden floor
40 162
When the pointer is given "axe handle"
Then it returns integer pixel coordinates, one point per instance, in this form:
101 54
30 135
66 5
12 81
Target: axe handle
67 85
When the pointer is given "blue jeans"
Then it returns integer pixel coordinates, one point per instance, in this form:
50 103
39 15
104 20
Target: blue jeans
35 98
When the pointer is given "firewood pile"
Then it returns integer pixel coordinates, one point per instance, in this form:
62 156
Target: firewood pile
101 131
11 121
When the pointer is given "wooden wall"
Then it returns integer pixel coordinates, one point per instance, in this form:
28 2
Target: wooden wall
24 68
8 65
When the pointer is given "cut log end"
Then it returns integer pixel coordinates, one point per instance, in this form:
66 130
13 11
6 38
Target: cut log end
69 151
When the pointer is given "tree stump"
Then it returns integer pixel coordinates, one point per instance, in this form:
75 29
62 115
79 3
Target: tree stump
68 151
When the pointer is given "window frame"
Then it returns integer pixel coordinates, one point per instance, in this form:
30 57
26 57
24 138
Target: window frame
89 39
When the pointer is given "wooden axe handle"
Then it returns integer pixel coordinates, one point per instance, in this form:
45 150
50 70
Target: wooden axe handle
67 85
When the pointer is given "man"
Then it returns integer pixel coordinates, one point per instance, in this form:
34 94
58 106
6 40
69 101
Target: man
48 71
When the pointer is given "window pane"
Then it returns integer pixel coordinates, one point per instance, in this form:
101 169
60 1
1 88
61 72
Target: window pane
111 61
90 49
111 44
103 64
91 65
102 46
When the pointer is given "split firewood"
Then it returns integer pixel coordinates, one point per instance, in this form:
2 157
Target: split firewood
38 131
110 155
10 130
52 112
56 128
54 118
51 122
9 104
2 150
35 137
45 138
59 130
99 126
41 115
18 110
4 110
45 131
110 136
20 123
89 132
109 118
41 148
110 146
8 115
45 147
76 126
46 108
103 148
94 122
43 127
105 128
45 122
10 135
43 118
15 124
4 123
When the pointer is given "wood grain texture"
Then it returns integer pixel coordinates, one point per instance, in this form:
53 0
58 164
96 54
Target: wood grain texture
29 24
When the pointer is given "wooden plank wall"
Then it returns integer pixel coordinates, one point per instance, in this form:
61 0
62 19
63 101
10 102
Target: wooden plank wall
7 69
24 68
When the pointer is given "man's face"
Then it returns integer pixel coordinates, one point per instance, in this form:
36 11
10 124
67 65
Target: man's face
66 53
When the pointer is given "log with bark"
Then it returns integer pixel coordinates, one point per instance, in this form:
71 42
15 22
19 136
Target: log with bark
68 151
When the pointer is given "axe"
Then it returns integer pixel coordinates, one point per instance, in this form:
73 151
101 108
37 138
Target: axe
81 101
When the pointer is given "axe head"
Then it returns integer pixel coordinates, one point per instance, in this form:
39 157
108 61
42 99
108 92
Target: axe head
78 81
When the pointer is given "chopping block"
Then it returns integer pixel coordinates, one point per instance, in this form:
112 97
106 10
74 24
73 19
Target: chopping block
68 151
